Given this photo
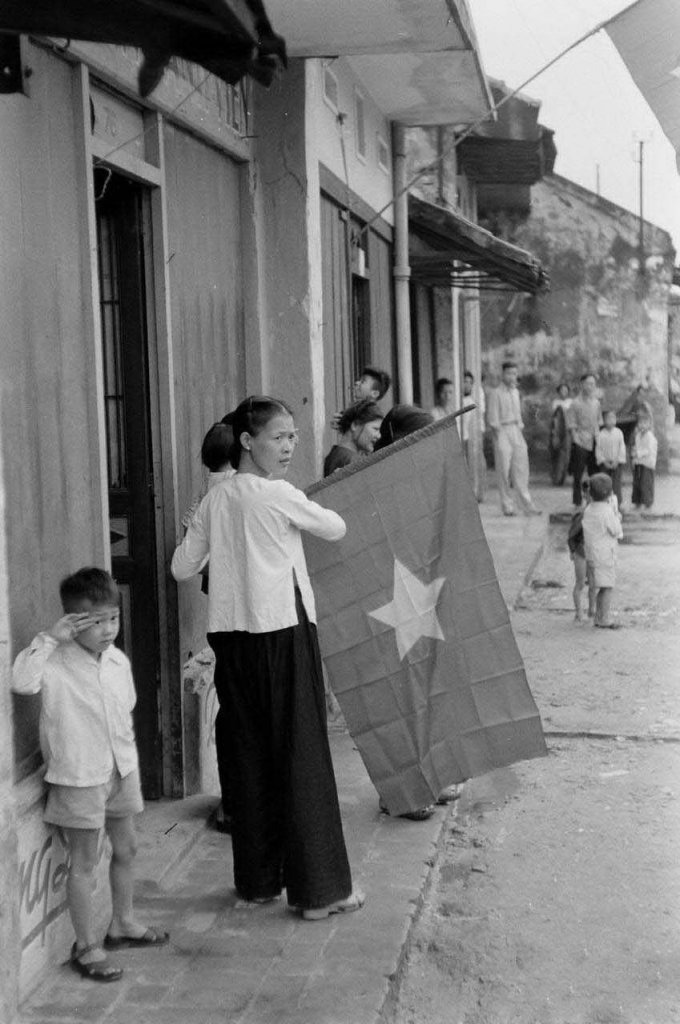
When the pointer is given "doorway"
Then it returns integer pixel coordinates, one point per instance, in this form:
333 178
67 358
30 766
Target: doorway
122 215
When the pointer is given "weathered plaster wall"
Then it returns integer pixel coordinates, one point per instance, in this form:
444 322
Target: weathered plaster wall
438 179
601 313
332 134
283 187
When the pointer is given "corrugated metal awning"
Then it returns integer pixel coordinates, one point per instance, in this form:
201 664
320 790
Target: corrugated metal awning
447 248
229 38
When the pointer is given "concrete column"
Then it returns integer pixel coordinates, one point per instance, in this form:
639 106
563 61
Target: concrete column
402 269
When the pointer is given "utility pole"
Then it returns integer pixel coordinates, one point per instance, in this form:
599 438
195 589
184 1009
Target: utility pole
641 160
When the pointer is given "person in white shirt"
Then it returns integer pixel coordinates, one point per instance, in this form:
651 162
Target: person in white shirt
610 452
584 419
504 415
286 826
601 533
644 452
88 744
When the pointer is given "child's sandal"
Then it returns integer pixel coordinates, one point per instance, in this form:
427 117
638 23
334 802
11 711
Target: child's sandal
95 970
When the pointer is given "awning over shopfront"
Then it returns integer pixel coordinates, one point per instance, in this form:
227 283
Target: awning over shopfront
447 249
419 61
647 35
230 38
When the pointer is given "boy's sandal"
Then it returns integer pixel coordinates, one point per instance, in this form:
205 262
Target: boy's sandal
353 902
150 938
95 970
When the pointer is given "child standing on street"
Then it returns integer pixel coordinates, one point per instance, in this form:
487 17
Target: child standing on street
644 462
601 533
88 744
610 452
582 575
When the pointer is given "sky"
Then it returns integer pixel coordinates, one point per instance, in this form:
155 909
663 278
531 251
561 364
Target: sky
588 98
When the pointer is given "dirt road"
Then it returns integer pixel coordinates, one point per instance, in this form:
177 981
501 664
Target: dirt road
556 898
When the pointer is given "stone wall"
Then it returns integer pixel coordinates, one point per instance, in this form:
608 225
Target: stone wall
606 311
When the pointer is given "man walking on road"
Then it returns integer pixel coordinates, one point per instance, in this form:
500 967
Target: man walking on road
510 449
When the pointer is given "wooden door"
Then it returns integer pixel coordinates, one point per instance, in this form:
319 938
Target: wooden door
120 207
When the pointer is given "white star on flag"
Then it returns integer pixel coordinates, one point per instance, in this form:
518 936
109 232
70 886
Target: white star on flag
412 612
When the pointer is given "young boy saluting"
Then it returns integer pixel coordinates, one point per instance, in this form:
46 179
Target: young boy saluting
88 744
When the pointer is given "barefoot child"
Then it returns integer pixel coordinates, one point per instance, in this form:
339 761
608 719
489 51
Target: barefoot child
88 744
577 552
601 533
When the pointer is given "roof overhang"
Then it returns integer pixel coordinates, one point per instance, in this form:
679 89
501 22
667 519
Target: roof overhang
419 61
647 35
230 38
447 249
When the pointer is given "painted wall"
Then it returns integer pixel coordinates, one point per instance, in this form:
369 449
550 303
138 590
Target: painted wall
49 418
50 476
282 188
203 195
600 314
332 129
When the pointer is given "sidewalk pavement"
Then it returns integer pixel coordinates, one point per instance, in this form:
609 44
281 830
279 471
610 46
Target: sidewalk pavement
233 963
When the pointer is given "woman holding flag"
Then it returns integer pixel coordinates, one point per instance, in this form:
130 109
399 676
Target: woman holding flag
286 830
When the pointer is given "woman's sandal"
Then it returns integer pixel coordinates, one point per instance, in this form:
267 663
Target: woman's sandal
421 814
353 902
95 970
150 938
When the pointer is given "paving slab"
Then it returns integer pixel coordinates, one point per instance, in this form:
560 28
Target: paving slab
230 961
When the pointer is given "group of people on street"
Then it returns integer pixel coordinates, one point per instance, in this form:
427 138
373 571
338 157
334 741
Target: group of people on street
245 539
598 445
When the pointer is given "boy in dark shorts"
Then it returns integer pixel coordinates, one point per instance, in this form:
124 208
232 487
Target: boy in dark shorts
88 744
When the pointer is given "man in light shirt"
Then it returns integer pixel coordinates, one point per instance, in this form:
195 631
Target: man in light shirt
504 416
584 419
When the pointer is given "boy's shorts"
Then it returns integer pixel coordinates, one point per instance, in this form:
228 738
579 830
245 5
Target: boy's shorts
90 806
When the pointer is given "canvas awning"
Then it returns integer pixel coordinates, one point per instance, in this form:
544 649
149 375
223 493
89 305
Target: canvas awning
446 248
230 38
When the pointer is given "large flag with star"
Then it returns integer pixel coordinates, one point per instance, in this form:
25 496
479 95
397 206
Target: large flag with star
414 632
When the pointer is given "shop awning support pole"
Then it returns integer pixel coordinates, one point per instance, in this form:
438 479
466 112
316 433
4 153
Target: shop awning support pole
402 270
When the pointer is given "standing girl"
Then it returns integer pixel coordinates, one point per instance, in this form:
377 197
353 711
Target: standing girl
286 827
644 462
601 534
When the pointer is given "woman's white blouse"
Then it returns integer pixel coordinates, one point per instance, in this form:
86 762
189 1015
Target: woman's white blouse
250 528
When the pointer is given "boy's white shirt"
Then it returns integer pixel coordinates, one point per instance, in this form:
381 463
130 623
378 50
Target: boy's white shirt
86 729
610 446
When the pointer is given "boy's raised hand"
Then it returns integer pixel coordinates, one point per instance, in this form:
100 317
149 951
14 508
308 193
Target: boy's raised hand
68 627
